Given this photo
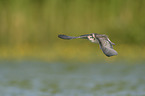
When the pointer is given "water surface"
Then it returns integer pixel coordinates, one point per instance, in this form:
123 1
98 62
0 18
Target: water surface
31 78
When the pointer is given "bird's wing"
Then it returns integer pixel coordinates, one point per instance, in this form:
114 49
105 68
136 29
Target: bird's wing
71 37
66 37
106 46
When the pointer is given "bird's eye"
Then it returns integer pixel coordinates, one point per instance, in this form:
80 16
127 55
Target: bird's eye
92 37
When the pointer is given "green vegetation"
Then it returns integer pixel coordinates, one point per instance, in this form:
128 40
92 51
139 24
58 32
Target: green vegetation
29 28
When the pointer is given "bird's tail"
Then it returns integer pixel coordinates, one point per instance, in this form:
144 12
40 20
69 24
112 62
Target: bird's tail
67 37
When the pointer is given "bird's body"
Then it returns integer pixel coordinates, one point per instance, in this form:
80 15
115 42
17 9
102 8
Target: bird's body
103 40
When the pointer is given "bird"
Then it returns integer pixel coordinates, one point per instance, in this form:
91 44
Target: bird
104 42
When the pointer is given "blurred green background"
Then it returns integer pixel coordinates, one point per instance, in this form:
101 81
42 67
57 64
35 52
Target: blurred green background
29 29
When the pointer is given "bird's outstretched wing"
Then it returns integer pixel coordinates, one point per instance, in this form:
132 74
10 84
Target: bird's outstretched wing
71 37
106 46
66 37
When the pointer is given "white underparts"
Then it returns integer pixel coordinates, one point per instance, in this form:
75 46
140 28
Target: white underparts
93 39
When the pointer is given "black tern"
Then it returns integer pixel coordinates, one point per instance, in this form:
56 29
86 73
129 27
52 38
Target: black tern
105 44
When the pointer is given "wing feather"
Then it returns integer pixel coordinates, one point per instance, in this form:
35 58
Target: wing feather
71 37
106 46
66 37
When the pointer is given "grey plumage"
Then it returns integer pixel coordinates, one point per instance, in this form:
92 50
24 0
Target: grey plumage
103 40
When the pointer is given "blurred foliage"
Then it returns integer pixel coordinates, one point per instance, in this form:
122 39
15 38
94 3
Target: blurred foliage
30 28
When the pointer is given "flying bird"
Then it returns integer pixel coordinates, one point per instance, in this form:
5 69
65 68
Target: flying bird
105 44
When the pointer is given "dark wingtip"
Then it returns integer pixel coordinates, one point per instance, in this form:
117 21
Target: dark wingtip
60 36
63 36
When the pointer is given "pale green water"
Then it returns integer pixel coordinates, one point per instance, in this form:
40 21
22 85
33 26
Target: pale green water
27 78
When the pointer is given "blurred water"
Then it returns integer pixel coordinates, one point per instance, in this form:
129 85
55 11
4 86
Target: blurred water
29 78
